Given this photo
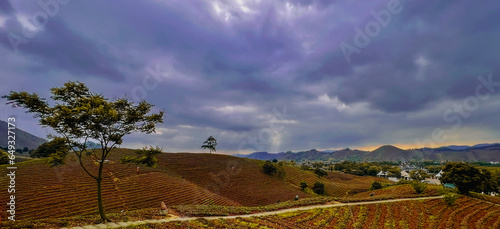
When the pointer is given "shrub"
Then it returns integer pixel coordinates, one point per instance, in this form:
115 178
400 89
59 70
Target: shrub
450 197
419 186
319 188
376 185
320 172
269 168
303 185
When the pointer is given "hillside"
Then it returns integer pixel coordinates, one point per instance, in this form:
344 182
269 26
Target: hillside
179 179
23 138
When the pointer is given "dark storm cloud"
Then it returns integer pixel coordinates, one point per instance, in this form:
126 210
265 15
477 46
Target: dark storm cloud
232 65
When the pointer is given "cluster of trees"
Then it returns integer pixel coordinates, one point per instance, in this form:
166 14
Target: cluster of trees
19 151
367 168
274 169
467 177
318 187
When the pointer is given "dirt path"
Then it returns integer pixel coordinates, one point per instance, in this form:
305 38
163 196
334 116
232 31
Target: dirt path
173 219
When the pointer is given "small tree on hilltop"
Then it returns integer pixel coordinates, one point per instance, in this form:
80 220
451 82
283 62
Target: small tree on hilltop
80 115
210 144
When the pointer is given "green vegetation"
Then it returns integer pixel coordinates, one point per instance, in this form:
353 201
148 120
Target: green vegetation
418 175
376 185
269 168
57 144
368 168
303 185
418 186
80 115
469 178
145 156
319 188
320 172
4 157
210 144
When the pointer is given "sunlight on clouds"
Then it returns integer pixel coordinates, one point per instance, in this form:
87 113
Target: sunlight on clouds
2 21
234 109
26 22
161 130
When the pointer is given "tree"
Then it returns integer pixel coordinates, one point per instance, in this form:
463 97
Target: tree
25 149
418 175
373 170
269 168
319 188
210 144
303 185
376 185
465 177
80 115
57 144
320 172
4 157
395 171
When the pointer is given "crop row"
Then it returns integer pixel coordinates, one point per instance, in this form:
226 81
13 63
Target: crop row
467 213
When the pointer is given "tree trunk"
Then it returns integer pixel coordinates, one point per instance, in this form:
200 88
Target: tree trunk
99 194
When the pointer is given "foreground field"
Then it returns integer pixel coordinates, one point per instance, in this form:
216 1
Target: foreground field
466 213
180 179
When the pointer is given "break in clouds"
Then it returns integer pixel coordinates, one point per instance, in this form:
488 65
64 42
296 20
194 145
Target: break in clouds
269 75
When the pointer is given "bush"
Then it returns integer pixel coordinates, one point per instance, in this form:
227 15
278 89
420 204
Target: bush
319 188
320 172
303 185
269 168
419 186
450 198
376 185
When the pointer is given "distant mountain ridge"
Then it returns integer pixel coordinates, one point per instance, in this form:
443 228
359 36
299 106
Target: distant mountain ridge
23 138
479 152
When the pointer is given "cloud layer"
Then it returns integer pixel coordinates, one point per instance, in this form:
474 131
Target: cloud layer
269 75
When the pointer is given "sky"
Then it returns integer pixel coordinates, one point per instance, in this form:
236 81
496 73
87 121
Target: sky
268 75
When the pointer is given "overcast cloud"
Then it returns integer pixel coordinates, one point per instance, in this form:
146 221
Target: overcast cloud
269 75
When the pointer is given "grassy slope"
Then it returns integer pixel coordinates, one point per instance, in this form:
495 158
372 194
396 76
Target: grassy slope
179 179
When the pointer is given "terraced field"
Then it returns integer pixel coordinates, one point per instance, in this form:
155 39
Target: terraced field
337 184
42 191
392 192
241 180
466 213
179 179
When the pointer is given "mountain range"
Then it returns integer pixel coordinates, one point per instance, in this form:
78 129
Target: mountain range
480 152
